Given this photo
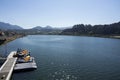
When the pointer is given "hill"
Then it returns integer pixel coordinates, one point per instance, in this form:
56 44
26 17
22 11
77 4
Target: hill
96 30
7 26
43 28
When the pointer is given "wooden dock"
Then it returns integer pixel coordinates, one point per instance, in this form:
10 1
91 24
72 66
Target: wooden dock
7 68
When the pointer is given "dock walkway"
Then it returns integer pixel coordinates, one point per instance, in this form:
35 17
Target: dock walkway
7 68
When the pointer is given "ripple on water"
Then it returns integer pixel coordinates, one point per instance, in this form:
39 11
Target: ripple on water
62 75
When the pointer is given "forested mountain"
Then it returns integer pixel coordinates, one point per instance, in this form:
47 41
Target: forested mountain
7 26
81 29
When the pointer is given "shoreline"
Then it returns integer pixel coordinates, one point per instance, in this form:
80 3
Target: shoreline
11 38
115 37
101 36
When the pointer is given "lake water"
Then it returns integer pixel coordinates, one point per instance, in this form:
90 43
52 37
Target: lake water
69 57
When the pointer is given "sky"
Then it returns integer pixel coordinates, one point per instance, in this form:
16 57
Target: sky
59 13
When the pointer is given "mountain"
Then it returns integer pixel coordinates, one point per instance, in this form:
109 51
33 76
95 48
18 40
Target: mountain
48 27
42 28
37 28
7 26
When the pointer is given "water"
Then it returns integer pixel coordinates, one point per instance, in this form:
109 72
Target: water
69 57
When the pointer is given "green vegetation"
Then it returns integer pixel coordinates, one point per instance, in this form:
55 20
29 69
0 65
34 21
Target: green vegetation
111 30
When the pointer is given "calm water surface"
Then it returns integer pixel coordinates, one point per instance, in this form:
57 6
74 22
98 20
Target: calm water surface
69 57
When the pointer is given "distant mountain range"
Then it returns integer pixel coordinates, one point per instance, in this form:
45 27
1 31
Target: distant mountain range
46 30
7 26
43 28
79 29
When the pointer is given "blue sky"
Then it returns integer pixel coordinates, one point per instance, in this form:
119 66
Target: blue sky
59 13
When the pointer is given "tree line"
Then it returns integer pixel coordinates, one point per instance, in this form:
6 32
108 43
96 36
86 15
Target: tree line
81 29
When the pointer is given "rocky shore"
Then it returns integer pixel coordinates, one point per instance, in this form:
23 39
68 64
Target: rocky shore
10 38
